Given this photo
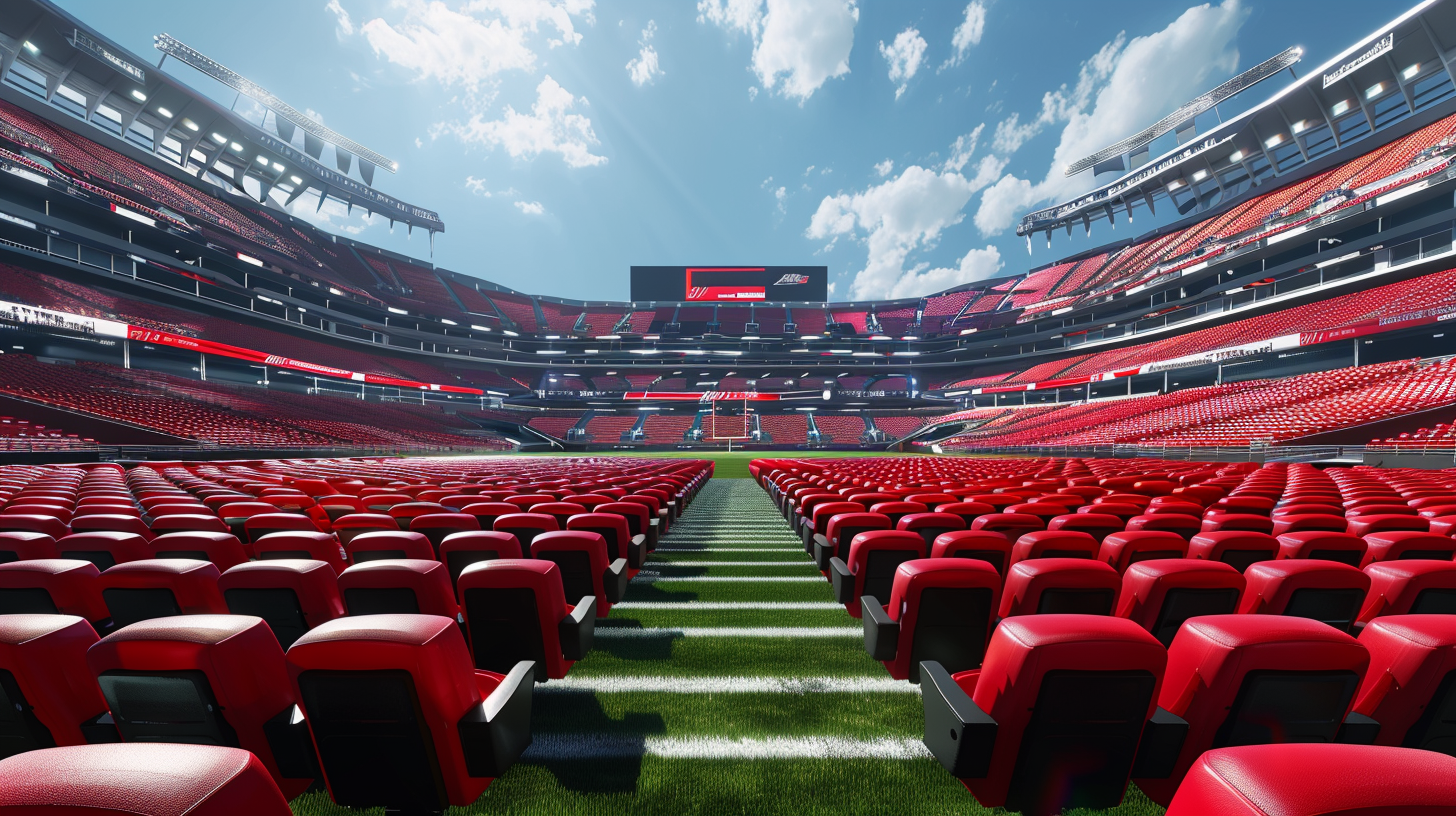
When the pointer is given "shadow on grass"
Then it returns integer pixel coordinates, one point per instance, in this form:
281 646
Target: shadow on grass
607 758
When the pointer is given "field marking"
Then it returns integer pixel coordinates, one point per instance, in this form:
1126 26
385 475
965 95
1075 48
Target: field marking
644 578
716 605
604 746
723 549
730 685
729 632
687 564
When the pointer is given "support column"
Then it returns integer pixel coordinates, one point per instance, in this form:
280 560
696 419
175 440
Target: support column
126 354
202 366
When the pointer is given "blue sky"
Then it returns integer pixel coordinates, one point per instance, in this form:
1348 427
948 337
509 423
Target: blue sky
563 141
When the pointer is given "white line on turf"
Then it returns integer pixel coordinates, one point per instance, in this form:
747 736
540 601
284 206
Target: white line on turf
685 564
729 632
602 746
644 578
721 549
730 685
716 605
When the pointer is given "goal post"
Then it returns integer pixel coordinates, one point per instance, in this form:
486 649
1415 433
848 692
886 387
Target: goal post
729 418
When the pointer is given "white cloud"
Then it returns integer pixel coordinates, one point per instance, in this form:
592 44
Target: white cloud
1127 84
883 168
550 127
530 207
1010 134
904 56
752 92
896 218
798 44
780 196
643 68
530 14
346 26
968 34
962 149
977 264
477 186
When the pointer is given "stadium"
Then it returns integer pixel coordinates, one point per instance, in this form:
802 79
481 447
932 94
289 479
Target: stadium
1164 525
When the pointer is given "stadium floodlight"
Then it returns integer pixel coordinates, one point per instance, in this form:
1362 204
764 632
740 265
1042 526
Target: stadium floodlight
1410 71
1274 141
219 138
138 96
1200 175
550 351
1340 107
509 333
172 47
164 113
32 47
190 125
609 337
1300 126
826 394
749 337
1236 157
1188 110
393 310
1375 90
448 322
295 179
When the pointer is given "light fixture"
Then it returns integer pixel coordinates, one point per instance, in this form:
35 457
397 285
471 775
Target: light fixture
295 179
237 148
1340 107
190 125
219 138
1274 141
1176 184
393 310
164 113
1375 90
1236 157
1200 175
509 333
1411 71
264 160
479 328
31 47
138 96
448 322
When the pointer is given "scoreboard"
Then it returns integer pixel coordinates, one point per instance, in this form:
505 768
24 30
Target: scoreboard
730 284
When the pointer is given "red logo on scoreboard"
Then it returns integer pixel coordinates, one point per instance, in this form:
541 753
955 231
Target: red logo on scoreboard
731 292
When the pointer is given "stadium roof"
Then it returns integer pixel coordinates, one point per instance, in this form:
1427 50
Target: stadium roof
1400 69
47 54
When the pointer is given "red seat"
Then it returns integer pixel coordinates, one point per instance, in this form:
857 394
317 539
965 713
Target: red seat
1307 523
460 550
639 521
1317 780
1256 679
52 586
969 511
981 545
337 506
930 526
528 500
1239 548
1004 730
1365 525
1178 524
526 526
516 610
435 526
1406 545
1409 687
264 524
423 729
1122 550
1053 544
405 586
139 780
49 697
940 609
190 522
1240 522
209 680
382 502
1044 586
1323 546
1159 595
1097 525
870 569
223 549
1410 588
1014 525
104 549
315 545
487 512
840 531
18 546
613 529
405 512
353 524
585 567
159 588
110 523
1121 510
393 544
291 595
1325 591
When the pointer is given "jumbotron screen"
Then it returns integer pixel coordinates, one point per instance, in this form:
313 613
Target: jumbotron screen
730 284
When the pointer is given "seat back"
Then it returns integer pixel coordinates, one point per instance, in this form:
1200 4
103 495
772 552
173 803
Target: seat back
1325 591
1322 545
611 527
1123 549
45 686
104 548
52 586
315 545
843 528
460 550
346 527
1097 525
1410 688
404 586
1053 544
291 595
1060 586
1237 548
389 544
264 524
874 556
982 545
1159 595
946 608
581 558
22 546
435 526
1406 545
159 588
512 608
525 527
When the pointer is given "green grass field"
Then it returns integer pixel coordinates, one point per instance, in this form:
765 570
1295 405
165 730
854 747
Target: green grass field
703 694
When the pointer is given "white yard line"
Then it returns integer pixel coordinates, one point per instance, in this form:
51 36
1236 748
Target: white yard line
729 632
684 564
716 605
644 578
603 746
730 685
723 549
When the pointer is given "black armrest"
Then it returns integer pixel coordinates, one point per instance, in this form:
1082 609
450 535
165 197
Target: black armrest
957 731
637 550
823 551
1358 729
843 581
495 733
575 630
100 729
817 538
1162 741
614 579
288 737
881 635
652 533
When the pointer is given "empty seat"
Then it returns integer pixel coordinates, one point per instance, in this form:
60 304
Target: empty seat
315 545
291 595
1308 522
1414 587
108 523
460 550
139 780
982 545
1097 525
1060 586
1122 550
969 511
525 527
841 530
897 510
515 610
1317 780
1365 525
1410 688
870 569
400 718
1161 594
33 523
404 513
45 687
190 522
1054 717
206 680
1405 545
613 529
1256 679
337 506
435 526
1238 548
1014 525
393 544
1179 524
1053 544
582 560
1322 545
104 549
940 609
930 526
264 524
1325 591
53 586
487 512
222 549
18 546
346 527
398 587
159 588
1241 522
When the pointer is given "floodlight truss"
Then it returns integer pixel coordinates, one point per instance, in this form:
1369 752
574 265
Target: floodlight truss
172 47
1188 110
